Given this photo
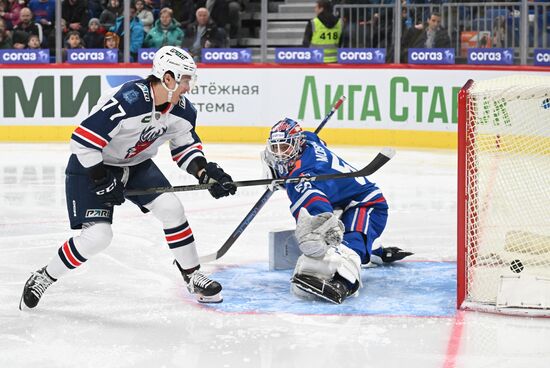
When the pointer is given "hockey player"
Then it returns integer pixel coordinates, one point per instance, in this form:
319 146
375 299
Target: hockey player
112 150
333 246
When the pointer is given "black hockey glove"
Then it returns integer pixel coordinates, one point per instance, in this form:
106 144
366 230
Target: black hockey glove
108 189
223 186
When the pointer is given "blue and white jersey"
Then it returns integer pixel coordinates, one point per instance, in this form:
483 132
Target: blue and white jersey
323 196
123 129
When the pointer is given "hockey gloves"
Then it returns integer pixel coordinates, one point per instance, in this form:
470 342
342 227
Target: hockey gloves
108 189
223 184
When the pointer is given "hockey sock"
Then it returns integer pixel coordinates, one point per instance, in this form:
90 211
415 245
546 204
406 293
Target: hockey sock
74 252
182 243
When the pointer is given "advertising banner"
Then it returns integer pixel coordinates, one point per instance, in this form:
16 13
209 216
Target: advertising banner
92 56
298 55
542 57
226 56
361 56
493 56
381 98
15 56
431 56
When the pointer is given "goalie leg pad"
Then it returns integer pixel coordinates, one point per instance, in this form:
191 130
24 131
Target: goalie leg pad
315 234
333 291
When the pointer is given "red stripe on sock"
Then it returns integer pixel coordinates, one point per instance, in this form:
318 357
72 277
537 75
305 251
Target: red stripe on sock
72 259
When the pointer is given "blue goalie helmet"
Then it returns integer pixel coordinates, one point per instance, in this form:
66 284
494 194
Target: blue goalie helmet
284 145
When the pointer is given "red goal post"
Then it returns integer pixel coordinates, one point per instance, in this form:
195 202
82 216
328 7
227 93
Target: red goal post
503 196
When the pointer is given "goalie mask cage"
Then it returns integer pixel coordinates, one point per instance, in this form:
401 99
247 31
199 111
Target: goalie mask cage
503 259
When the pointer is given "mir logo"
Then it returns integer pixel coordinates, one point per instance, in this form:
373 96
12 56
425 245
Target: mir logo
431 56
299 55
226 55
542 57
498 56
361 56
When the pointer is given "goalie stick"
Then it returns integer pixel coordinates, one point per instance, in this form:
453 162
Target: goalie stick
383 156
380 160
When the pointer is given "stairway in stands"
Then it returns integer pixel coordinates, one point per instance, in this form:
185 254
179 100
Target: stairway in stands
285 28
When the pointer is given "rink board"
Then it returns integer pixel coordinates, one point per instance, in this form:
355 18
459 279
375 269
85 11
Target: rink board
416 289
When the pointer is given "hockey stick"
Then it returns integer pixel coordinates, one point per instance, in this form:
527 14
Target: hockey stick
260 203
380 160
383 156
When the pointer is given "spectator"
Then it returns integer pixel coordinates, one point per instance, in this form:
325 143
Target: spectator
94 39
44 13
166 31
219 12
112 11
25 28
429 35
10 12
72 41
49 42
33 42
95 8
111 41
184 11
324 31
136 32
75 12
5 38
145 14
202 33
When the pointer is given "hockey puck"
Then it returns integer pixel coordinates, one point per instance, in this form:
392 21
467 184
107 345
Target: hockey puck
516 266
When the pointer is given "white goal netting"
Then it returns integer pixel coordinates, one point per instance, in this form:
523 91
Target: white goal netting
507 177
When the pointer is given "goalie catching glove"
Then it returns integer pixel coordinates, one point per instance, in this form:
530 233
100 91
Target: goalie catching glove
316 234
223 183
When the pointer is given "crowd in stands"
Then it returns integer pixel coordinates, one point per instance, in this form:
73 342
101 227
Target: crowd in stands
92 24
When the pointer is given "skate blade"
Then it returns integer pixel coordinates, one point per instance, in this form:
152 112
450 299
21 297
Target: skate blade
314 291
210 299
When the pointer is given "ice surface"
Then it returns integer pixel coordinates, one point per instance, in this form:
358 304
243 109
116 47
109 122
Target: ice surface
126 307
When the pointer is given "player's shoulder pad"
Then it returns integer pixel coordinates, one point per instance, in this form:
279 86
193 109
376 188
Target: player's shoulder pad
310 136
185 109
135 97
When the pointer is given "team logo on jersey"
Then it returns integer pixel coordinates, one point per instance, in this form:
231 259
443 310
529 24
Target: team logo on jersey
146 138
146 119
98 213
145 91
130 96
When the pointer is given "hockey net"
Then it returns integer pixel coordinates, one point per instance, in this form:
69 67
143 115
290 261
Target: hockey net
504 196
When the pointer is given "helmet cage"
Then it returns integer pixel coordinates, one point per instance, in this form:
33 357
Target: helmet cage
284 145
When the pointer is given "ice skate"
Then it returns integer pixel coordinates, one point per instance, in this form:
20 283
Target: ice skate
383 255
206 290
35 286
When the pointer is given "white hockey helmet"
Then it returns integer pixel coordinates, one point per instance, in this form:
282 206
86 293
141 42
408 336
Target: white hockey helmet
176 60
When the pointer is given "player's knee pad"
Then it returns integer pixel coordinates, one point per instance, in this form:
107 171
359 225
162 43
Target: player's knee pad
168 209
316 234
94 237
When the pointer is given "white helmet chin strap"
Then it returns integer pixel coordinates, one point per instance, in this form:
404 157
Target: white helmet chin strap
170 91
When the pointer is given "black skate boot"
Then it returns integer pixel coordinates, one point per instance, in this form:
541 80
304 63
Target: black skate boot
204 289
35 286
388 255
